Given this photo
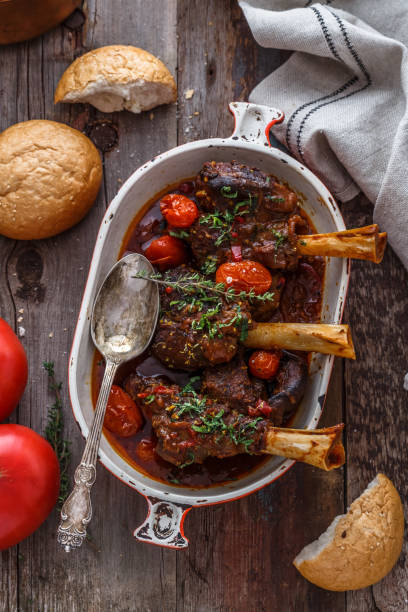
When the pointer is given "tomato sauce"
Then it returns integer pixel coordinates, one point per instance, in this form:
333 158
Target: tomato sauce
300 301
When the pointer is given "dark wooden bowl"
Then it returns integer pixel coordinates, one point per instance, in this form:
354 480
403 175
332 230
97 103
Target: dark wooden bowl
24 19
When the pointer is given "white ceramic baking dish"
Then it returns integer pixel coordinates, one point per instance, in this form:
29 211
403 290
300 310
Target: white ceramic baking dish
249 144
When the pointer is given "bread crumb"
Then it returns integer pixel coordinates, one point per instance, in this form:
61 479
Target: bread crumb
196 113
21 332
189 93
51 335
21 310
19 319
151 116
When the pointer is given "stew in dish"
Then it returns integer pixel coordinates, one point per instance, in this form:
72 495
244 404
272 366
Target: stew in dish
194 409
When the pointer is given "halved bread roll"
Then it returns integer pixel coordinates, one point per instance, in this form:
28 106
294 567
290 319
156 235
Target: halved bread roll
358 548
115 78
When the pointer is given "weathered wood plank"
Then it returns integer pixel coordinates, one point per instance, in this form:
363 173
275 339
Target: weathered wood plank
241 553
47 279
376 401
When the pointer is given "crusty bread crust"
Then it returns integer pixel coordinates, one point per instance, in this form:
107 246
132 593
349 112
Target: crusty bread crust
366 544
50 175
115 68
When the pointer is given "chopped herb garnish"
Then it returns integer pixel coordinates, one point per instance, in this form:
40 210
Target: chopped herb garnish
277 199
226 192
209 266
191 459
149 399
303 242
280 238
224 221
179 234
211 423
239 432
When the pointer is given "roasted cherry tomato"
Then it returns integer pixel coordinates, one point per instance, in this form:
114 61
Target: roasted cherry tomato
122 416
178 210
244 276
13 369
264 364
145 450
166 252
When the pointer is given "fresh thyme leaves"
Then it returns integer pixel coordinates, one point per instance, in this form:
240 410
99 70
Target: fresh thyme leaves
211 423
190 460
179 234
54 433
276 199
303 242
224 221
189 401
199 291
209 266
244 330
226 192
280 238
239 433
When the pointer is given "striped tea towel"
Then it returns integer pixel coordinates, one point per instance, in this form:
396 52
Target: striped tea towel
344 94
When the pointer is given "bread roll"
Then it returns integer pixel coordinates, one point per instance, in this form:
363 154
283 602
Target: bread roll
358 548
115 78
50 175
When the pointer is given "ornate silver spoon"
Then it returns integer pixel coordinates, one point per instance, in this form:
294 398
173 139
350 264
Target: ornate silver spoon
124 318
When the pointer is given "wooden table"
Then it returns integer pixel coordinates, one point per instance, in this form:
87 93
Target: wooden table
240 553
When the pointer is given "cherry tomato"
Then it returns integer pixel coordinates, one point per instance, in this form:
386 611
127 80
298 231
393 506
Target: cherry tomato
244 275
264 364
145 450
29 482
178 210
166 252
13 370
122 416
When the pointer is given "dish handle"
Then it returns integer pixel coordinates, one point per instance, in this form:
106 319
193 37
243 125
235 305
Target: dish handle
164 524
253 122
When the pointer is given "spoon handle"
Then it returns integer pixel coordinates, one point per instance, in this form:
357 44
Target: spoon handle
77 509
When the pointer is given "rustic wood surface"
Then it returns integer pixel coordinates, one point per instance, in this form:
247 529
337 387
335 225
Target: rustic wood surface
240 553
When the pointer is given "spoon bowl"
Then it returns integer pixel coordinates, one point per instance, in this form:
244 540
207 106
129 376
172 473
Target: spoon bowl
125 311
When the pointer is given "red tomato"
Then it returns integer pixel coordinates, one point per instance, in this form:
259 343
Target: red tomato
122 416
13 370
178 210
264 364
244 275
145 450
166 252
29 482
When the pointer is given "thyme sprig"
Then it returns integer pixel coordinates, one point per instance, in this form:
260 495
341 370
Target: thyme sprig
200 288
54 433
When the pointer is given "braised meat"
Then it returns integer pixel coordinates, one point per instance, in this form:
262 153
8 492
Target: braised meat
191 427
195 331
231 384
217 183
244 206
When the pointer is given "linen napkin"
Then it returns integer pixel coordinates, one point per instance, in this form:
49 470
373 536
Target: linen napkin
344 93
